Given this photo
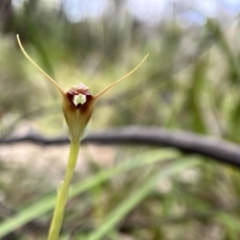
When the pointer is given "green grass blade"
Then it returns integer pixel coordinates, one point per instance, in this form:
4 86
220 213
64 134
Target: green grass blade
45 205
116 216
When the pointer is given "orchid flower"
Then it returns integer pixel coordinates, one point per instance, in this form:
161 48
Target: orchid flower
78 105
78 113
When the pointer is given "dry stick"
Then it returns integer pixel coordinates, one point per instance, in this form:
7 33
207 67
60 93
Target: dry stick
221 151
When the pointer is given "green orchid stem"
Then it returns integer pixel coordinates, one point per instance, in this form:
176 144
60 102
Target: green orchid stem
63 192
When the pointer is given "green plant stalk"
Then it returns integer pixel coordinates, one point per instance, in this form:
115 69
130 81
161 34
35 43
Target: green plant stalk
63 192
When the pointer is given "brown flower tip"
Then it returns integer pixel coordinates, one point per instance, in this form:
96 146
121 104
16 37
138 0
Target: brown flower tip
79 89
79 94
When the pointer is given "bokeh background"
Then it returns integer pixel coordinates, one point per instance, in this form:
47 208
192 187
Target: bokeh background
190 82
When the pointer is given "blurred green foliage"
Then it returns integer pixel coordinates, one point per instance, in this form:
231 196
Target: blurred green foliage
189 82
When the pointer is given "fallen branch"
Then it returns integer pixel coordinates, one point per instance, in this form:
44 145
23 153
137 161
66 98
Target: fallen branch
187 142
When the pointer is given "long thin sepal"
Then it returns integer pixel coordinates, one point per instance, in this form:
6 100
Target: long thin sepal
30 59
98 95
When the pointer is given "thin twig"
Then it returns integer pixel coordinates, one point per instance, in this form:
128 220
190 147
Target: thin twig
217 149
